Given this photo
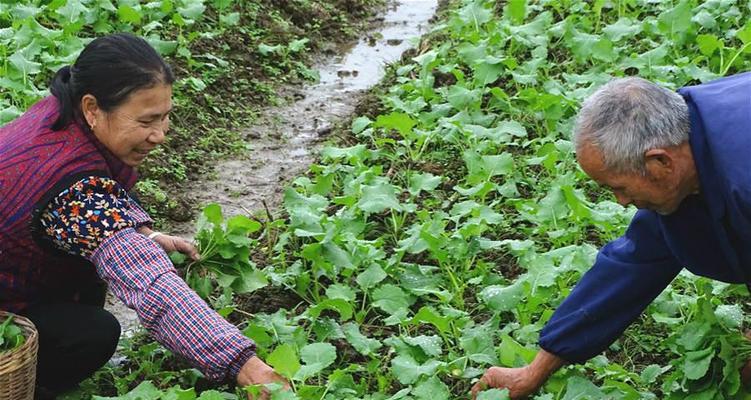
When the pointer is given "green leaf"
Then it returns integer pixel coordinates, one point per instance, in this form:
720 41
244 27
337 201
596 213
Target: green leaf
164 47
730 315
363 344
516 10
708 44
693 334
513 128
284 360
494 394
177 258
705 19
212 395
420 182
623 28
298 45
478 343
265 49
359 124
399 121
603 50
378 198
431 345
475 14
676 19
213 213
342 307
243 224
503 298
250 280
462 98
128 15
429 315
231 19
71 11
697 363
391 298
578 388
488 71
259 335
176 393
651 372
339 291
500 164
316 356
407 370
192 9
514 354
432 389
744 35
372 276
23 64
144 391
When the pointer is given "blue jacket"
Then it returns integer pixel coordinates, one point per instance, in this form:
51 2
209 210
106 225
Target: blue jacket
709 234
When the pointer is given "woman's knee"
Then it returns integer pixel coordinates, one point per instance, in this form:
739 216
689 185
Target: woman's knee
105 332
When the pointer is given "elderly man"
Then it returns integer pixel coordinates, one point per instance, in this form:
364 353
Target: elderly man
683 160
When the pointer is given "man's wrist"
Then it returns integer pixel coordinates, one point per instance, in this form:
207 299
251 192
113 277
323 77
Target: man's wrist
544 365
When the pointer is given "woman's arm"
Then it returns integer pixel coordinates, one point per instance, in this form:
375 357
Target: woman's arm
96 220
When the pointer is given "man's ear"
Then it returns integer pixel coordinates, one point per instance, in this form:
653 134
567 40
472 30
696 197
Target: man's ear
659 164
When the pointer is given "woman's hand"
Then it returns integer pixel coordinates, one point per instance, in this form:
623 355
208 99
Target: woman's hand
257 372
172 243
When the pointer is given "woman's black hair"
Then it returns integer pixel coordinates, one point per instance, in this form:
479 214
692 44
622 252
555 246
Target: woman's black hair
109 68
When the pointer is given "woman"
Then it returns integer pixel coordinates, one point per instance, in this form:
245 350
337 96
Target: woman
68 225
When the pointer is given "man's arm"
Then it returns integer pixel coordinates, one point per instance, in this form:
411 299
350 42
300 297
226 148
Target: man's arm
628 274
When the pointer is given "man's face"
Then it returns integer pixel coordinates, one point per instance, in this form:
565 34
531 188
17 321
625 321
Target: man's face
643 191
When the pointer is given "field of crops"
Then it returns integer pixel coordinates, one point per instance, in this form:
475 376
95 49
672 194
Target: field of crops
439 232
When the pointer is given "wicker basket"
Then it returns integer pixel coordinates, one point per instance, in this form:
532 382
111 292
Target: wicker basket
18 366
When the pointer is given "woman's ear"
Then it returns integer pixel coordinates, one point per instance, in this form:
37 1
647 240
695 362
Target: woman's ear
659 164
90 110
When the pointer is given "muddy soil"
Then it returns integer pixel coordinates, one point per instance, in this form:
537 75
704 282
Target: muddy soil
284 140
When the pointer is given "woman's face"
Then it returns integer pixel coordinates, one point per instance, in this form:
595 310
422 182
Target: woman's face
135 127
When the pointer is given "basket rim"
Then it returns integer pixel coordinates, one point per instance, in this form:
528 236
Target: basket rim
30 333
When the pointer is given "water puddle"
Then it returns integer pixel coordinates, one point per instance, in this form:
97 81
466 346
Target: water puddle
284 139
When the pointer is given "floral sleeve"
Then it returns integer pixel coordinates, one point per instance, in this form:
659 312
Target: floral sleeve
85 214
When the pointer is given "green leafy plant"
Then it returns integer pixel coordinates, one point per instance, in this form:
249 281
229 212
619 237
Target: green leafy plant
225 254
11 335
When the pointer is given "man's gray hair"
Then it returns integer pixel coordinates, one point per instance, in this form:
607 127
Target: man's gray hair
629 116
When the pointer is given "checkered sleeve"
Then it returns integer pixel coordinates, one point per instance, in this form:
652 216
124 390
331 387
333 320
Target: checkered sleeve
141 275
140 216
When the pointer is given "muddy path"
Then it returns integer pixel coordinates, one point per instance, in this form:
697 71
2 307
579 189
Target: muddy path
284 140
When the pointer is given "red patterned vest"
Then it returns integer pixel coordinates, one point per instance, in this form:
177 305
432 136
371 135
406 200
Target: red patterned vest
36 164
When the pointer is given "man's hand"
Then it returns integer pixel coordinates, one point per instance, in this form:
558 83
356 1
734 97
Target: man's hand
172 243
257 372
520 382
